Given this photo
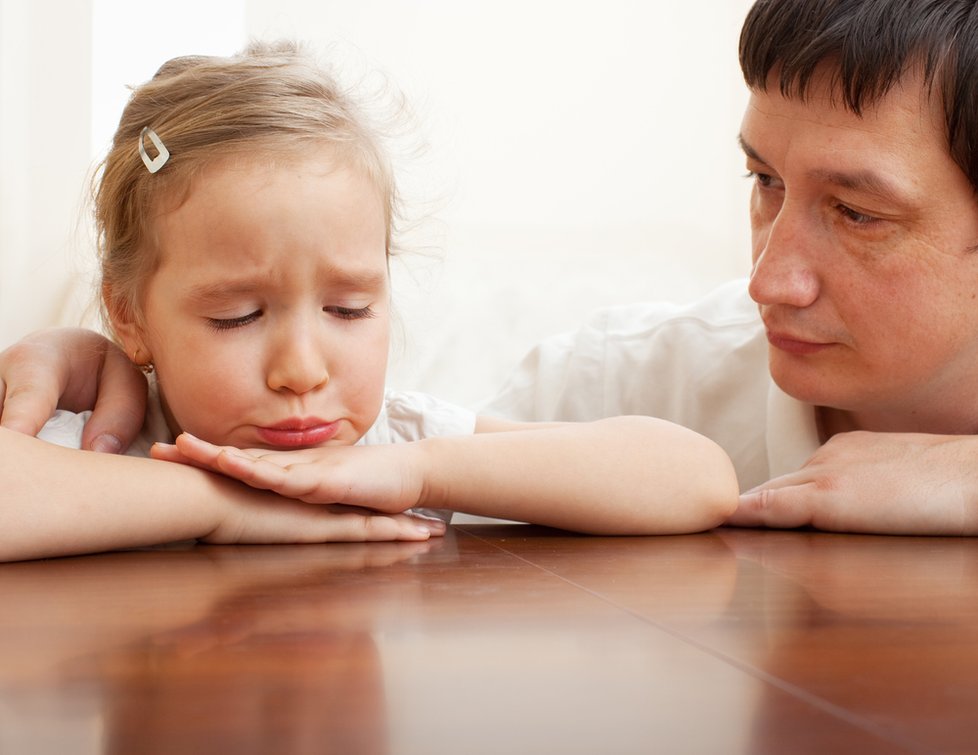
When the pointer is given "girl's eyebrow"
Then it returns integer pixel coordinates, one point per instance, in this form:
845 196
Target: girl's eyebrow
333 278
210 292
366 279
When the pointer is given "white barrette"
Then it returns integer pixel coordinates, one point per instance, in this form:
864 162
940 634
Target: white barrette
162 153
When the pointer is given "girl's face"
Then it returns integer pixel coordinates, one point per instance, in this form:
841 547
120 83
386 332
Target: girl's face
268 318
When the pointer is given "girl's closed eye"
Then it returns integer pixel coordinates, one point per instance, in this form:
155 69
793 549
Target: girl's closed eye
350 313
234 322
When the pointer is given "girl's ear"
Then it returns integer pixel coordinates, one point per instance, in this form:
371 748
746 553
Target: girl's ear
126 326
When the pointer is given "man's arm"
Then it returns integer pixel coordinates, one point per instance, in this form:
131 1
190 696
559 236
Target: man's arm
886 483
75 369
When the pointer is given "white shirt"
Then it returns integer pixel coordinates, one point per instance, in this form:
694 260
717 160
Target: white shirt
702 365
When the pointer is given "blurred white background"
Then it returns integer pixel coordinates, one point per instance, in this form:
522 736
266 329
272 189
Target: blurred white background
578 154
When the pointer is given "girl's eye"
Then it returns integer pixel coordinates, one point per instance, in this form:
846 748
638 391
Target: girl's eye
350 313
234 322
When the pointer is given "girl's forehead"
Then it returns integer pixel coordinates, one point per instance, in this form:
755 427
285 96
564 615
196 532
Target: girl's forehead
241 178
283 213
261 165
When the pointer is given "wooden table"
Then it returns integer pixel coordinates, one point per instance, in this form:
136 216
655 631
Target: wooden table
498 639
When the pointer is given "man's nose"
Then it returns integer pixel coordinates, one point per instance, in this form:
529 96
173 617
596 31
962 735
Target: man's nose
784 270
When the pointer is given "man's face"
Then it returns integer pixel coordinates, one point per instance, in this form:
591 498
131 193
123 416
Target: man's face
865 269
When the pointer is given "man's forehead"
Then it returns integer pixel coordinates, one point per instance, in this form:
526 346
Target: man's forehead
906 119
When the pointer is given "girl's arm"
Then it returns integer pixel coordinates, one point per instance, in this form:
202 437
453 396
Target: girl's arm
57 501
621 476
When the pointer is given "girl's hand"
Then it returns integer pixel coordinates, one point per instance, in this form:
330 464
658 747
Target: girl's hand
385 478
258 517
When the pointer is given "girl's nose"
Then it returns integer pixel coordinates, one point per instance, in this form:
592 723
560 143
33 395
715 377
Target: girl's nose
298 364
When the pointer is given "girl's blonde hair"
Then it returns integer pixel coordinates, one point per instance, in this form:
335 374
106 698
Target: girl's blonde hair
268 100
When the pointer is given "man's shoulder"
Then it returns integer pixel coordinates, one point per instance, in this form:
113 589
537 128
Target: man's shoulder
726 309
720 326
649 358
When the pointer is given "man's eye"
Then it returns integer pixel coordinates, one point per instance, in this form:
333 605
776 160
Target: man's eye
350 313
857 218
762 179
234 322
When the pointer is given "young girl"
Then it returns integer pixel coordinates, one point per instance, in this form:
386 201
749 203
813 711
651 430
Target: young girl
245 217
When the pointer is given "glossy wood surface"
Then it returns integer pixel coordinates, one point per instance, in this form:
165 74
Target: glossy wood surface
498 639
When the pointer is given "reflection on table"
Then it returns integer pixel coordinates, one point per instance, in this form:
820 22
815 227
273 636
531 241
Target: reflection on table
498 638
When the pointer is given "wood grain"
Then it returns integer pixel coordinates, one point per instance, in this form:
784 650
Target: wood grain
498 639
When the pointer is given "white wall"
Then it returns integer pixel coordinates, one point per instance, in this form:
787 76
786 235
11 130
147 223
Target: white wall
579 154
45 48
65 66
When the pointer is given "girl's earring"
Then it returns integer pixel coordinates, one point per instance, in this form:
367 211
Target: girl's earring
147 367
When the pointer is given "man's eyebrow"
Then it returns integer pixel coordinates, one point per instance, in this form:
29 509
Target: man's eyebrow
748 150
865 181
857 180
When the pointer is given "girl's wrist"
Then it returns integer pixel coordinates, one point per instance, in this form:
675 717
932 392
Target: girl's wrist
221 506
423 472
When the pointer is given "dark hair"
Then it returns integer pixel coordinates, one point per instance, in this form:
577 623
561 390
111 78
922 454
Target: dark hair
868 46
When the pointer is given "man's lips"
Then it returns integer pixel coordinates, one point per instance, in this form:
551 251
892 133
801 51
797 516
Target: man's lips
795 344
294 433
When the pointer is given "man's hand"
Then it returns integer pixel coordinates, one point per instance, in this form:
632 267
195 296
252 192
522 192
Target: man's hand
75 369
887 483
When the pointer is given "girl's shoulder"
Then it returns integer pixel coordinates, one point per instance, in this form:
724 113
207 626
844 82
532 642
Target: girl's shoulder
65 428
411 415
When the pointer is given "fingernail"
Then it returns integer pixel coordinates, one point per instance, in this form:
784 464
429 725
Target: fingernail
107 444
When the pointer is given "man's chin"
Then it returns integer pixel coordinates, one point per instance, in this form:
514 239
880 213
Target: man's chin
802 383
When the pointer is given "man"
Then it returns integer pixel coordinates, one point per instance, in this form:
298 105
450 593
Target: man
845 392
865 224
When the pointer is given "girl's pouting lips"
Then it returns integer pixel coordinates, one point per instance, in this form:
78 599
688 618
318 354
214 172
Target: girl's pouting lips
295 433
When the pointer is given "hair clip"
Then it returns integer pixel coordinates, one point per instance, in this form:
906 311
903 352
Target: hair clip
162 153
